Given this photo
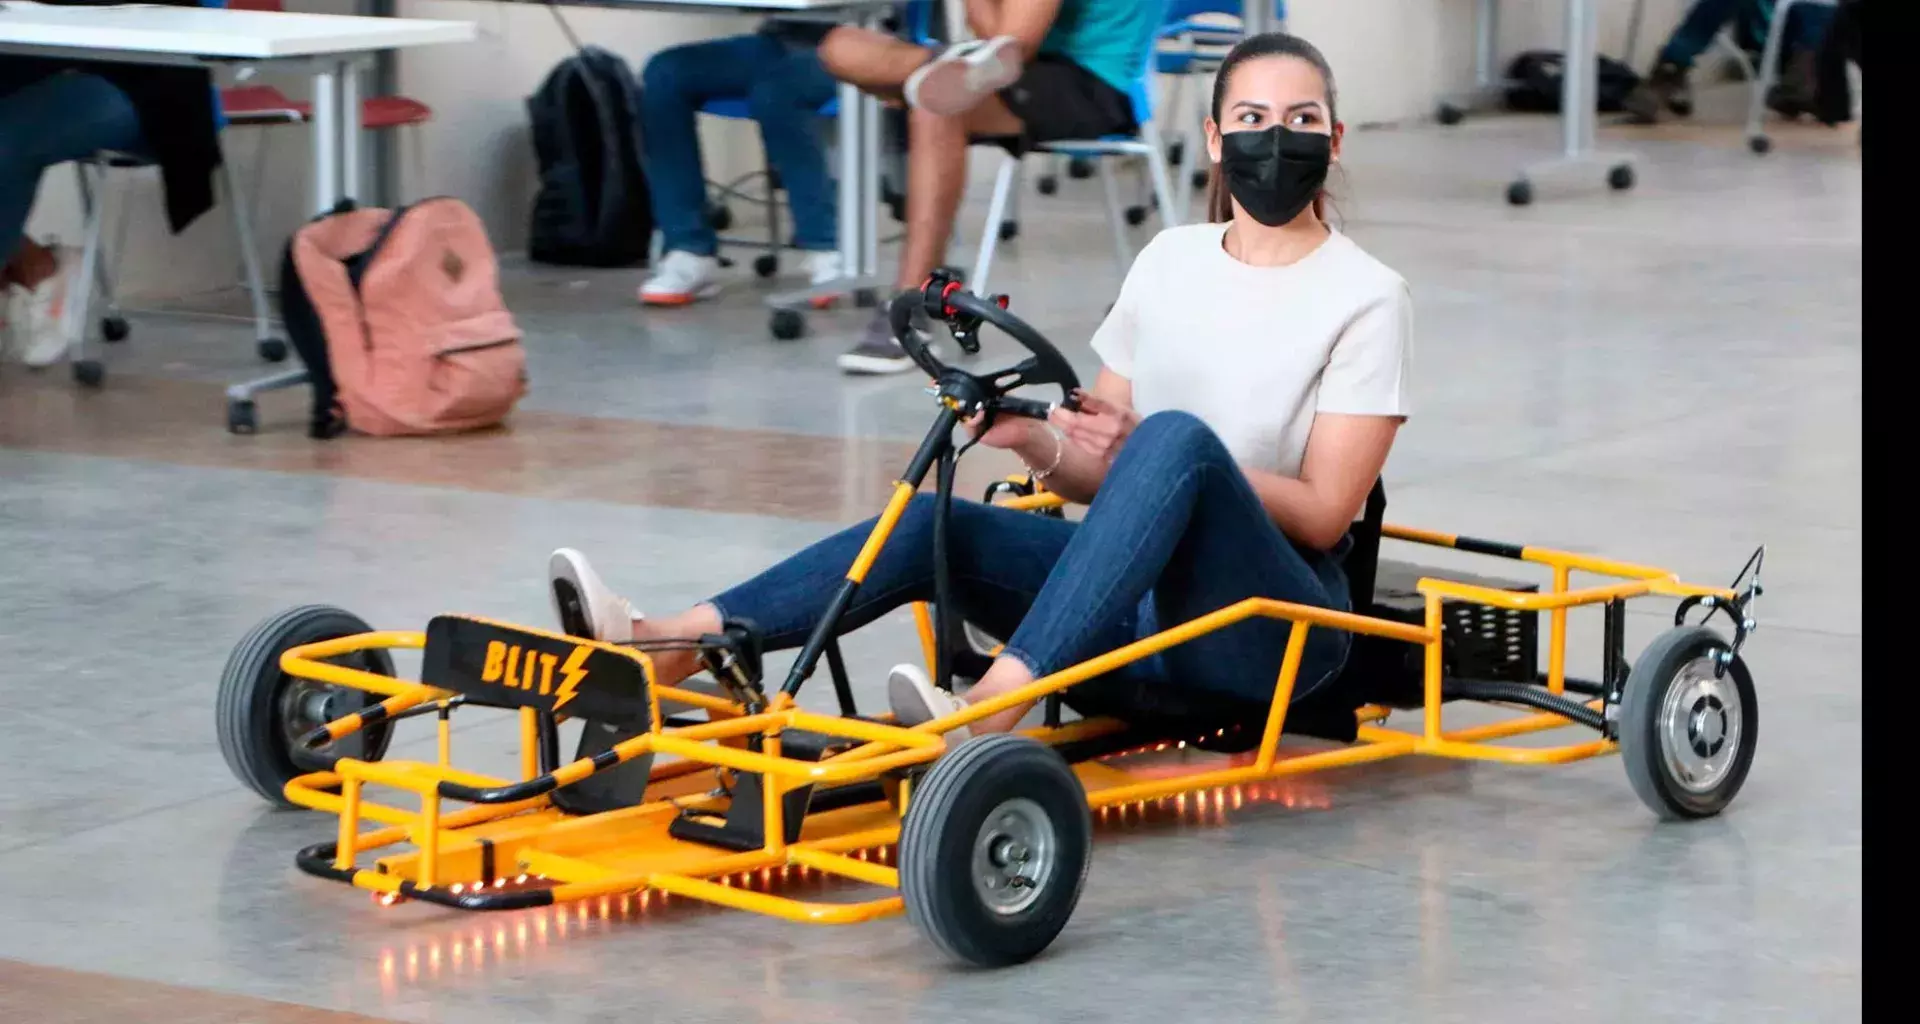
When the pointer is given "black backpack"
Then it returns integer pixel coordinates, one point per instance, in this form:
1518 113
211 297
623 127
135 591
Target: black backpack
593 207
1534 83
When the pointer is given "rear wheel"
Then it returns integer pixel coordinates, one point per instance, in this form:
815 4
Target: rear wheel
262 712
994 849
1687 733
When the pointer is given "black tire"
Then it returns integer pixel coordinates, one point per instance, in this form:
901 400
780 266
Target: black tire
1136 216
1620 177
719 216
1688 738
90 373
1448 114
1079 168
1201 179
1009 230
242 417
1760 144
962 864
114 328
766 265
787 324
273 350
1520 193
256 716
1047 185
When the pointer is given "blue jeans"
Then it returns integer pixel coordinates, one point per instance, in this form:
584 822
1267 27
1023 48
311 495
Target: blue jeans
48 119
1175 532
1806 27
784 86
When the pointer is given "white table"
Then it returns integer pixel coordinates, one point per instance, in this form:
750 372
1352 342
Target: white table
230 43
859 141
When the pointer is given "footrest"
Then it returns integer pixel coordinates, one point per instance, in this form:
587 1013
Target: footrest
743 827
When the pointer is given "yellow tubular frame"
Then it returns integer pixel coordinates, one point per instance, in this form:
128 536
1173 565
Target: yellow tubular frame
444 845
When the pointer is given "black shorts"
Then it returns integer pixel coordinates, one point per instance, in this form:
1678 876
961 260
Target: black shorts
1060 101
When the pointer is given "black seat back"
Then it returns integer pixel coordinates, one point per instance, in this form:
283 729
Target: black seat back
1362 563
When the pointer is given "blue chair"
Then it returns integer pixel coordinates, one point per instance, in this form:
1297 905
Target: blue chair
1145 145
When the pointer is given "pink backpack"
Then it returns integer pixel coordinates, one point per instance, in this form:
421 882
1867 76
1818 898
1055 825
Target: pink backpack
398 317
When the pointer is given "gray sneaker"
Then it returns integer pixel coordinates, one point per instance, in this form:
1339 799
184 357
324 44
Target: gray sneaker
877 352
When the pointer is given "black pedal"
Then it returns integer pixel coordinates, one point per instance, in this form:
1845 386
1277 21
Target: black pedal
613 788
743 827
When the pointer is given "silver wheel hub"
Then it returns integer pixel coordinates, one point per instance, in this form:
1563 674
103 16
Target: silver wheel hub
1014 855
1699 726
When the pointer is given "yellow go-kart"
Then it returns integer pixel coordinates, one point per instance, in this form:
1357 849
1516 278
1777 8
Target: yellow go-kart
716 790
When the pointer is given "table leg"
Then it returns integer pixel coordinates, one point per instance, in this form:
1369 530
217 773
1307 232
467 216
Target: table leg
350 135
326 138
858 136
1580 84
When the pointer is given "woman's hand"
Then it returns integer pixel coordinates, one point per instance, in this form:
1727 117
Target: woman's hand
1099 428
1008 432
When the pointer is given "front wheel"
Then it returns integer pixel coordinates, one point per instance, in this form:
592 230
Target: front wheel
262 712
1687 733
994 849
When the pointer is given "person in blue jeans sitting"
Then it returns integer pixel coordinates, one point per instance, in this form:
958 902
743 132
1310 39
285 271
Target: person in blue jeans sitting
1666 87
56 111
1255 375
777 70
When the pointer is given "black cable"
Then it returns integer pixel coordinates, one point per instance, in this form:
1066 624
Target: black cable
554 8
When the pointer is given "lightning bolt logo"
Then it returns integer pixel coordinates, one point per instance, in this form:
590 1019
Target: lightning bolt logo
572 674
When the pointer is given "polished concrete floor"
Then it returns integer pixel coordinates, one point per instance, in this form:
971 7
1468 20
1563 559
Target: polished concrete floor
1670 376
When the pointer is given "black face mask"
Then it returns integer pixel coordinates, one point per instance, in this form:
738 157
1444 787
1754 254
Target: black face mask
1275 172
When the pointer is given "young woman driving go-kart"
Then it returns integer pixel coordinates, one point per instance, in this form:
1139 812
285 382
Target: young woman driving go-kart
1254 376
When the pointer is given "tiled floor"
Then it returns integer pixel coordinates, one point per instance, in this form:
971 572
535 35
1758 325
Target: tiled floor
1671 376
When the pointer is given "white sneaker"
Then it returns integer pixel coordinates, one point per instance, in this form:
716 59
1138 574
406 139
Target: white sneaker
823 267
683 278
957 80
39 338
915 700
584 604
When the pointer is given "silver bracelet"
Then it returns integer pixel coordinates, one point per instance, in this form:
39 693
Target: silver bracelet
1059 453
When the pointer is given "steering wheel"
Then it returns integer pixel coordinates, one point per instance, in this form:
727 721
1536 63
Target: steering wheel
942 297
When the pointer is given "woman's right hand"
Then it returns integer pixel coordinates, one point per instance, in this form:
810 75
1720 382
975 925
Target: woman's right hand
1007 433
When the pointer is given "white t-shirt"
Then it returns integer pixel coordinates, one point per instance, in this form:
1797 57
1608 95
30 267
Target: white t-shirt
1255 352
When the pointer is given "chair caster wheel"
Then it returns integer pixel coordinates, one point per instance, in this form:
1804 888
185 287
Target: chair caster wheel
1009 230
273 350
242 417
1448 114
719 217
865 298
1620 177
766 265
1079 168
1175 151
1136 216
89 372
787 324
1520 193
1760 144
114 328
1047 185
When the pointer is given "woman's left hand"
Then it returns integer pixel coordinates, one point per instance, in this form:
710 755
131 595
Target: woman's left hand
1099 427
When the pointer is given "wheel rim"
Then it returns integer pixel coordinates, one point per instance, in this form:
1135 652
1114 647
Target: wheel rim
305 705
1700 723
1014 856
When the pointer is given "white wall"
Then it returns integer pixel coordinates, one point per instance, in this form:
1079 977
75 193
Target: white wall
1394 59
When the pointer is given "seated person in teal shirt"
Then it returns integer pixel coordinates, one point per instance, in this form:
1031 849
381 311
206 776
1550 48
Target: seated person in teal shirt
1042 71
